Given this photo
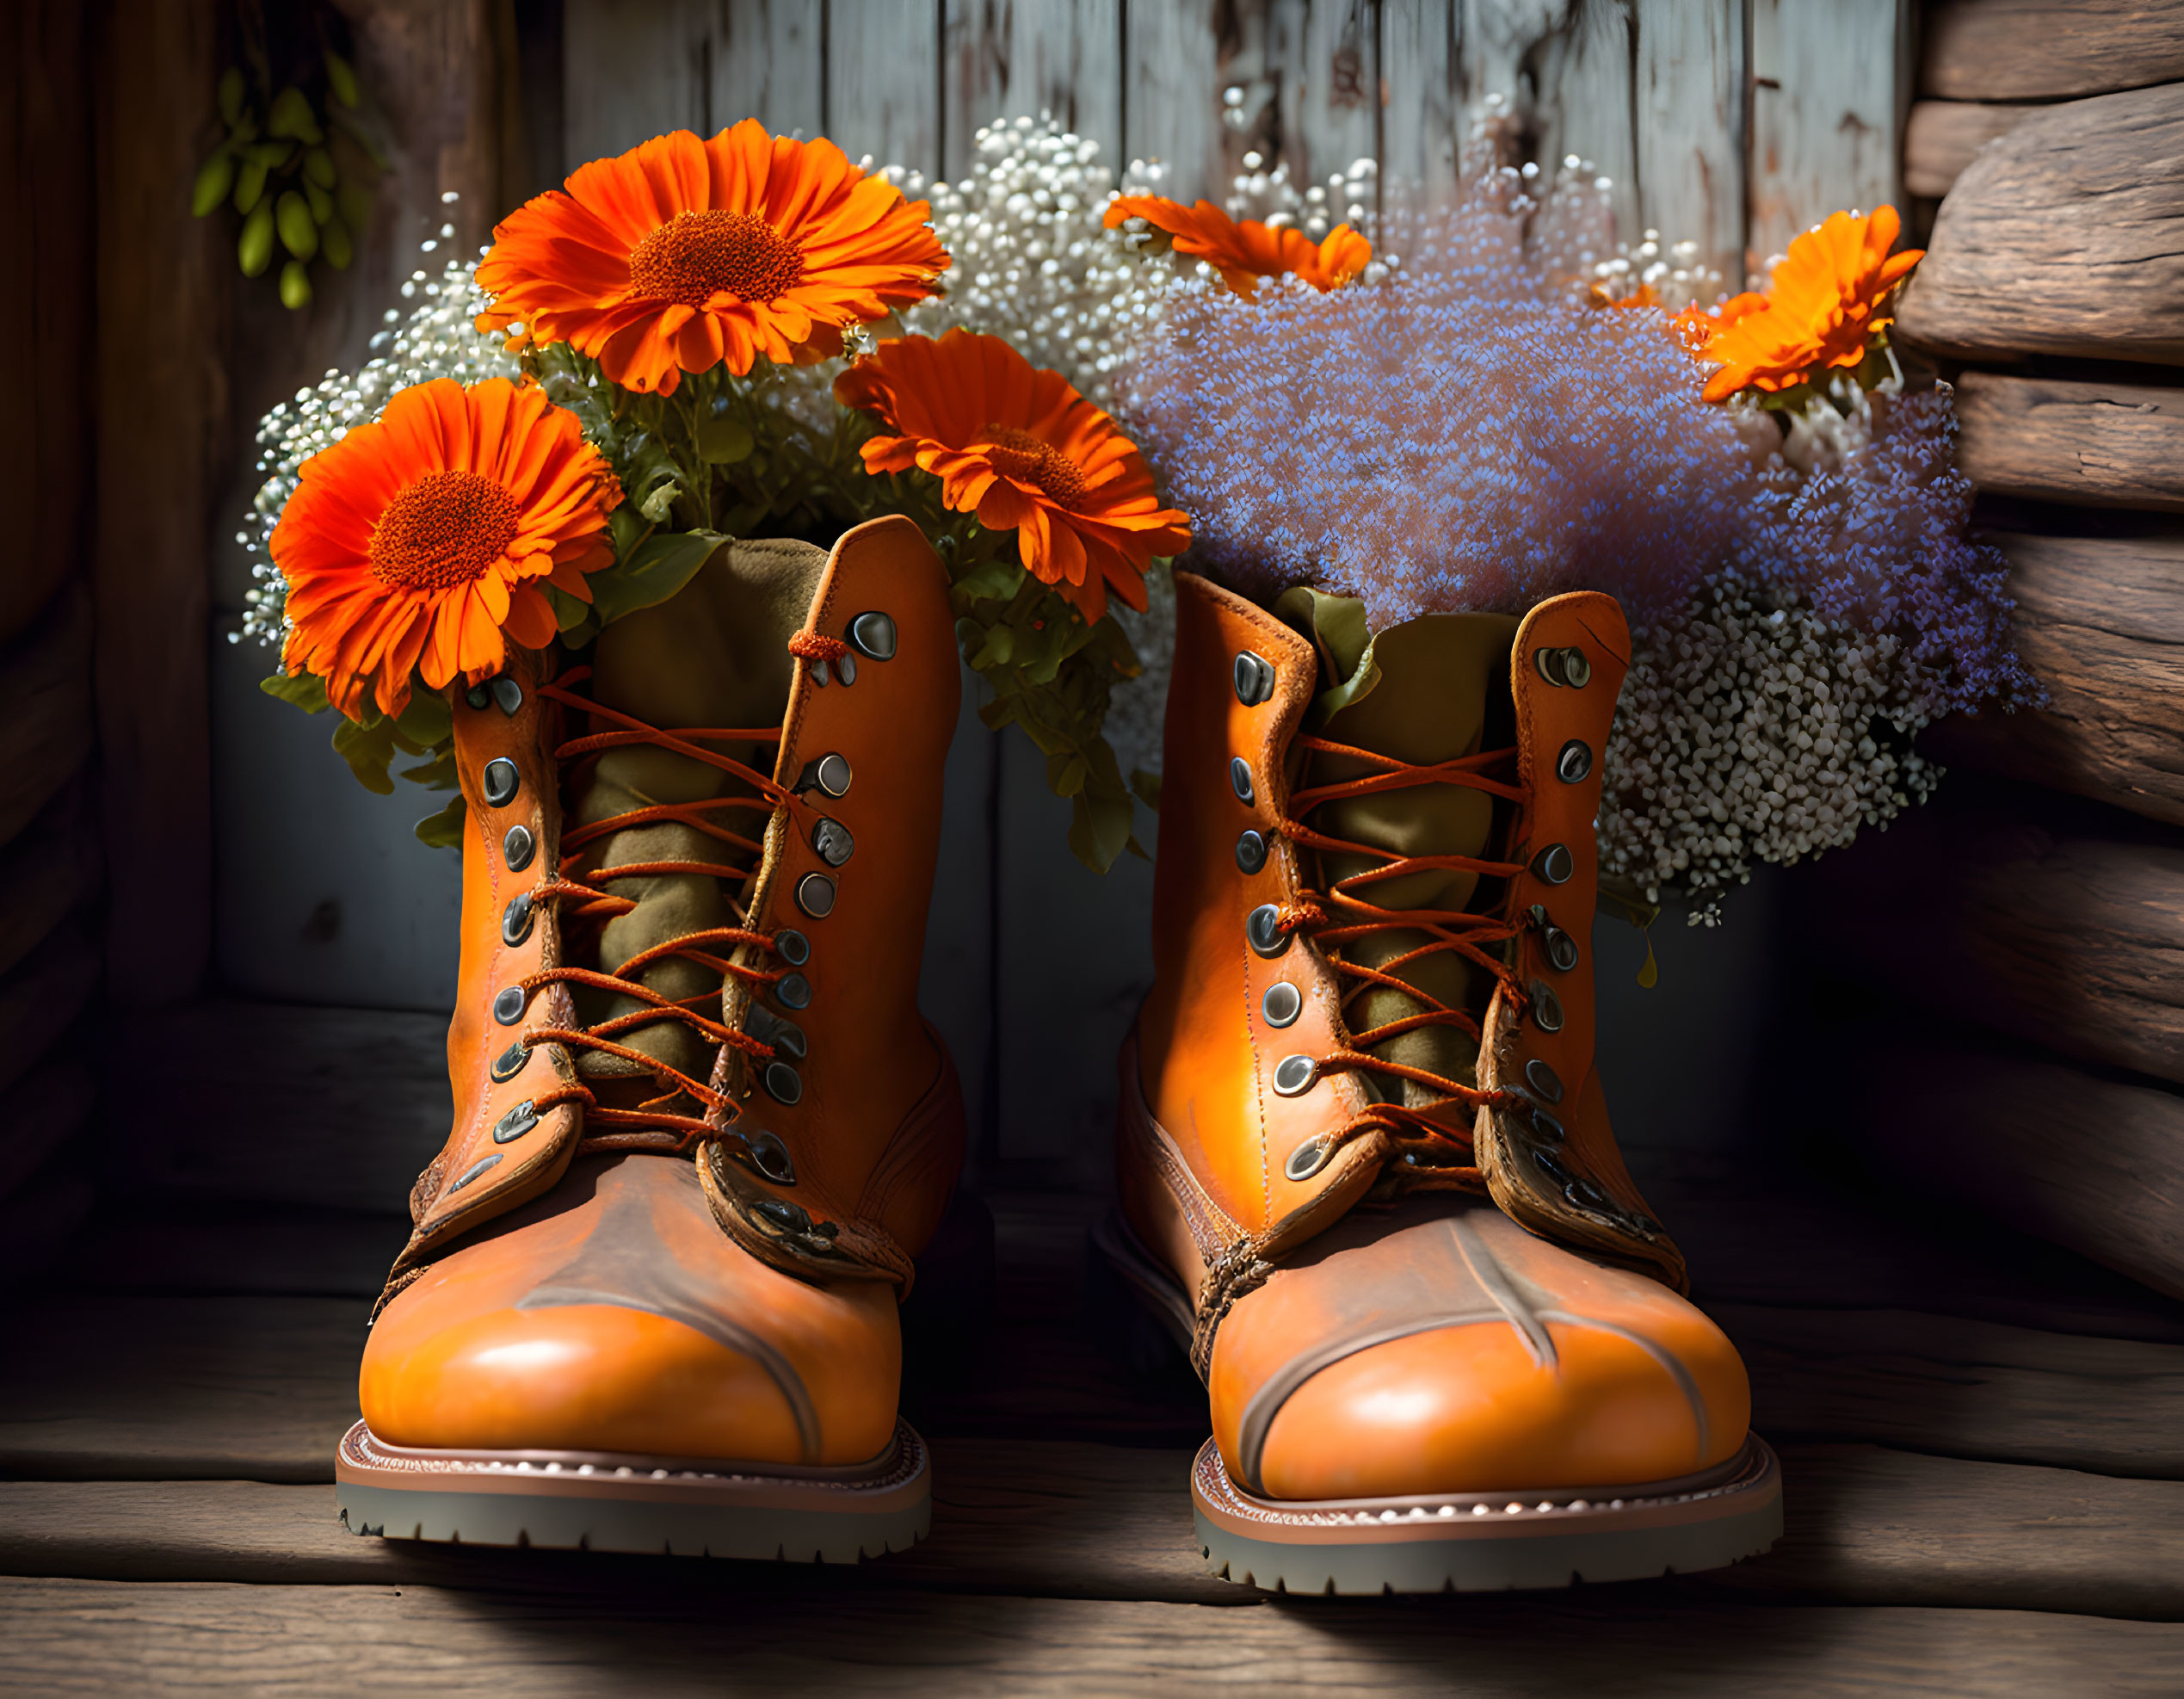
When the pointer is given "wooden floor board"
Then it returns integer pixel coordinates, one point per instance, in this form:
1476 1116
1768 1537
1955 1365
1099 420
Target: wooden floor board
1030 1518
803 1631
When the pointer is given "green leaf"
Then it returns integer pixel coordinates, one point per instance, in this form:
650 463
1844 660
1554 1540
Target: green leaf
1099 830
429 720
444 831
369 750
1146 787
306 690
723 442
661 566
1065 774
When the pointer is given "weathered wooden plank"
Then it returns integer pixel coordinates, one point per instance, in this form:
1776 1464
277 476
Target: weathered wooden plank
1689 120
883 68
1331 97
1940 137
46 703
1827 100
2101 620
627 77
50 868
1964 1389
801 1631
1423 123
47 1106
2032 50
2065 237
2089 1162
164 275
2104 444
766 63
47 989
1031 1518
1003 58
1178 60
46 294
277 1103
2012 915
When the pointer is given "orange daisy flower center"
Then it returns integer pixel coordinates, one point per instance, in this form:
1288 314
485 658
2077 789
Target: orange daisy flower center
1019 454
442 530
695 256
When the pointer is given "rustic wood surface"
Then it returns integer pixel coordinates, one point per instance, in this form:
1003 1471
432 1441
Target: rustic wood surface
1940 137
2096 444
2031 50
1826 113
46 703
2101 622
2013 912
87 1636
2090 1162
2065 237
164 275
46 297
52 866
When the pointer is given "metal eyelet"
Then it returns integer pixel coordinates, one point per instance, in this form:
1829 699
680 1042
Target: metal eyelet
830 773
516 919
1282 1004
1294 1076
508 693
516 1123
815 894
471 1172
1240 780
508 1006
845 669
1543 1079
509 1063
1546 1127
792 990
1262 929
770 1157
1546 1007
874 634
1255 678
793 947
1555 864
1307 1159
500 782
1560 947
518 847
783 1084
832 841
1575 761
1250 852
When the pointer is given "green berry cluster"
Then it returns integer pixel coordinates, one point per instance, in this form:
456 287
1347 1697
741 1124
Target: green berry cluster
282 177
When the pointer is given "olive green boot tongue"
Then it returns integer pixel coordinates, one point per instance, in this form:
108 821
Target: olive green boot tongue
714 654
1417 692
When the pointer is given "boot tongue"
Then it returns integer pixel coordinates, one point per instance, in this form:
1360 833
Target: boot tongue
714 654
1420 693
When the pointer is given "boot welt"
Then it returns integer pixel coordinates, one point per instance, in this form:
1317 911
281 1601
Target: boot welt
609 1502
1487 1541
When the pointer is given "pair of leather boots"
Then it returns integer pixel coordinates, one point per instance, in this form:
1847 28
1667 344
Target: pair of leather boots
702 1134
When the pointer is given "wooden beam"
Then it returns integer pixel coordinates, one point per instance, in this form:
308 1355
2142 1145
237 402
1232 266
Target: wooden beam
2065 237
2100 622
1941 138
2089 1162
162 274
2103 444
2032 50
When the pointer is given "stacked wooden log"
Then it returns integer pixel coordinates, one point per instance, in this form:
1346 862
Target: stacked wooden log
2029 928
49 852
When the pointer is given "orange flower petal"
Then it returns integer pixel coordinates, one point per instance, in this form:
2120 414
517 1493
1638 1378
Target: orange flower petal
1245 251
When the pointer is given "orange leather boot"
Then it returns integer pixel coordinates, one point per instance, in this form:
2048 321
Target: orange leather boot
700 1129
1366 1170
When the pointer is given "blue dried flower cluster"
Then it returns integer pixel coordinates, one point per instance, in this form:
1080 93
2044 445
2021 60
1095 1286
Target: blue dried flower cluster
1448 440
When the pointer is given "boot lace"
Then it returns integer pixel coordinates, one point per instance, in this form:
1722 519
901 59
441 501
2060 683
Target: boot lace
655 1124
1345 913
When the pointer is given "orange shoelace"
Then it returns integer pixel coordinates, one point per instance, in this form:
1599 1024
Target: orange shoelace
1341 914
654 1124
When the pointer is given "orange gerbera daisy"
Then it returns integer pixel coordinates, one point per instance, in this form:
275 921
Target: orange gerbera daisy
1025 452
421 540
683 253
1824 304
1244 252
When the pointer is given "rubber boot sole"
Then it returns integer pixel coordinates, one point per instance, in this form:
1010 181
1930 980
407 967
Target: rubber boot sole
1459 1541
606 1502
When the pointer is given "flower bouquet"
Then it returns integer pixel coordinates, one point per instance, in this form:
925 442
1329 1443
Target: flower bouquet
752 336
